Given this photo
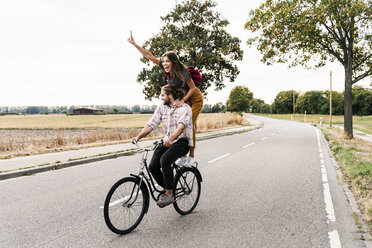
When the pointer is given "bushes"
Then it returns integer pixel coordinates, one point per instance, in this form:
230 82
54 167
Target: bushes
8 113
317 102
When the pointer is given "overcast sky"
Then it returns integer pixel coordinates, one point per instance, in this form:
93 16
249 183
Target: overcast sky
62 53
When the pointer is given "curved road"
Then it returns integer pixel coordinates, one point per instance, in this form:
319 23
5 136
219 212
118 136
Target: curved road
271 187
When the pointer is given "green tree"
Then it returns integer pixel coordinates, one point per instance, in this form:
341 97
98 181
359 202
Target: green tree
284 102
266 108
207 108
198 34
337 103
36 110
316 100
257 105
300 31
218 108
239 99
136 108
153 108
301 104
362 101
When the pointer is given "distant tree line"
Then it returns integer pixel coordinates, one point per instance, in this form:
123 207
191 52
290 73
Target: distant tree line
318 102
107 109
240 100
216 108
313 102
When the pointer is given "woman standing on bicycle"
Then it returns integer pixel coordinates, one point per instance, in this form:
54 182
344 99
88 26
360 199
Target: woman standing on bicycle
180 78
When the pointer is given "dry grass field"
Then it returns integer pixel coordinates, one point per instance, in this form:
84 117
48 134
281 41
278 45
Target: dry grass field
73 121
34 134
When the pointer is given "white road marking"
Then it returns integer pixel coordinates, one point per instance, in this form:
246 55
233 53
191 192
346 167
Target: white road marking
123 199
120 200
263 138
334 239
328 202
214 160
251 144
326 191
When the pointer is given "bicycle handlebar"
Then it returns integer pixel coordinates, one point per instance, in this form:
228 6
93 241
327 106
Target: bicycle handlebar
156 144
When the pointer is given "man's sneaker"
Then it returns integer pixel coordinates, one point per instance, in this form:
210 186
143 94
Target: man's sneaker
190 161
181 161
165 200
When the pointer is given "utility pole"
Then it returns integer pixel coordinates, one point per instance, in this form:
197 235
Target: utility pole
294 106
330 100
271 108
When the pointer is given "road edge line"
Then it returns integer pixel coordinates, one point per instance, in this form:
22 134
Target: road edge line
349 195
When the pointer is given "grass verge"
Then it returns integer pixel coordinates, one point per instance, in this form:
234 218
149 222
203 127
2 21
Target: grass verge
355 160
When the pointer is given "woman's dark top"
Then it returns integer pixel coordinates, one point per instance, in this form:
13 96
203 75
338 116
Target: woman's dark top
176 81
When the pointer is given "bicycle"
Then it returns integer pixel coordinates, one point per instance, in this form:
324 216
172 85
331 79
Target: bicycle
128 199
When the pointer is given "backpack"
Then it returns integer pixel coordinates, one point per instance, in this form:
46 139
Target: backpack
195 75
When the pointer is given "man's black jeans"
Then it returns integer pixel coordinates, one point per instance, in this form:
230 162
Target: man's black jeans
163 158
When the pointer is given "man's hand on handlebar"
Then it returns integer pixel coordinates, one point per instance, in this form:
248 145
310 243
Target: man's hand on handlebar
135 140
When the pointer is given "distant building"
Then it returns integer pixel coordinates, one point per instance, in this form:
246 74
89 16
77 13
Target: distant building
86 111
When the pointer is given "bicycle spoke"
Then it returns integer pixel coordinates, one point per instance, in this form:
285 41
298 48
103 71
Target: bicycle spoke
129 216
118 216
134 210
138 204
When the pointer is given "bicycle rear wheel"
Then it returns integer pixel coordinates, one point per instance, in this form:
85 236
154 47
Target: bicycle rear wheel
187 189
125 205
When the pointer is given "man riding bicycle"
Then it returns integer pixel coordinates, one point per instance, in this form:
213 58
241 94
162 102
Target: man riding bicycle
177 126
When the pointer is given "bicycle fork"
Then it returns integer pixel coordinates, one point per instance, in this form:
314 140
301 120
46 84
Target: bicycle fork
135 194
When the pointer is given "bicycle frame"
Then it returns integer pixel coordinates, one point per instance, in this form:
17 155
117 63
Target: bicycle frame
149 181
128 199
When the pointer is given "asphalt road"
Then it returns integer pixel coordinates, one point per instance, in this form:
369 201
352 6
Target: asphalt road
263 188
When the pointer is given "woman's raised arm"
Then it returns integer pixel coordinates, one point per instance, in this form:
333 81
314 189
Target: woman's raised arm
144 52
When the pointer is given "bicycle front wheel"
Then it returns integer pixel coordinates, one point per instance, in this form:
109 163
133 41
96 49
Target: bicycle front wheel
125 205
187 188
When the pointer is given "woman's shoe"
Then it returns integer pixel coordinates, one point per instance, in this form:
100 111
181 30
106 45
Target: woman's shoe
190 161
181 161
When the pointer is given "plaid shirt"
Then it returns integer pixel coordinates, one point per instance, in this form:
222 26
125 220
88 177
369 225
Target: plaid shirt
171 117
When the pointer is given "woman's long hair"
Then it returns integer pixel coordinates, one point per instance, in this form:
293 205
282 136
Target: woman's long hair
178 68
177 93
